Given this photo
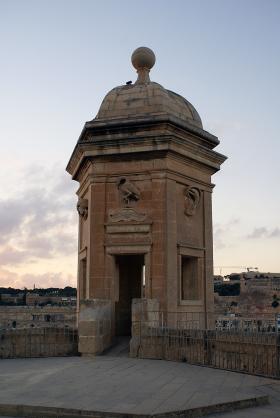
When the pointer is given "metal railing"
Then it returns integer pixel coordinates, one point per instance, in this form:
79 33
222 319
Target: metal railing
198 338
29 331
38 342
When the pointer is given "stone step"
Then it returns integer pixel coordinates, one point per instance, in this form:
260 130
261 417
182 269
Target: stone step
32 411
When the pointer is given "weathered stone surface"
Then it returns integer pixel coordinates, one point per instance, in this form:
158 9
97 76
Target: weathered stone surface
113 387
145 166
38 342
94 326
143 311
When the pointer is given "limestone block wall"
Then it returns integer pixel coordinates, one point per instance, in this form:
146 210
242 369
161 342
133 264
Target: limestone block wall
155 224
144 311
171 233
95 326
38 342
35 316
253 353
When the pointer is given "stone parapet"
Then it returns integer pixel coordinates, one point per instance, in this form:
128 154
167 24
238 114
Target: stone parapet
94 326
143 311
38 342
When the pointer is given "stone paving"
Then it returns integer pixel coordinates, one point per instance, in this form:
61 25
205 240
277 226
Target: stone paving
121 384
268 411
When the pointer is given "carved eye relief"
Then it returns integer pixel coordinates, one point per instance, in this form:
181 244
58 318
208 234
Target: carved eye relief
192 199
82 208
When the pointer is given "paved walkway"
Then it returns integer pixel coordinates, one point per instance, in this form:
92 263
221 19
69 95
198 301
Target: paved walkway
121 384
268 411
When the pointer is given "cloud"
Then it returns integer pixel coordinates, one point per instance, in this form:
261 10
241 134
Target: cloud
263 232
221 233
275 233
48 279
40 221
12 256
12 213
37 207
258 233
218 237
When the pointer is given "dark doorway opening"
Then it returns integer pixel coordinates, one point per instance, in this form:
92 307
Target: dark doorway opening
131 285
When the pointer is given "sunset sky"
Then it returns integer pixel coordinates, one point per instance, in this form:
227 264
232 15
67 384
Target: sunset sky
60 58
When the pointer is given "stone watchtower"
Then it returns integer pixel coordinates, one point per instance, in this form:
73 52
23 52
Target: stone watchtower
144 166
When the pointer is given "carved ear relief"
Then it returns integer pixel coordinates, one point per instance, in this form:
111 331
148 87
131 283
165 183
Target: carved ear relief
192 199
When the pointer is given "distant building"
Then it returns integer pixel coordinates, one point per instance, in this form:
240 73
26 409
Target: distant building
15 317
34 299
259 299
12 299
50 296
218 279
246 323
266 281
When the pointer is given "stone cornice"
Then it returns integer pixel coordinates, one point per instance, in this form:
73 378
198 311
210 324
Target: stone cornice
99 125
198 156
101 139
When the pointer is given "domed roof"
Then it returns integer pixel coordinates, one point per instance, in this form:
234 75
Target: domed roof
146 98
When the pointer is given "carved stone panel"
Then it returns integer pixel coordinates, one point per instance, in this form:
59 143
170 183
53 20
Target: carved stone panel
129 193
82 208
126 215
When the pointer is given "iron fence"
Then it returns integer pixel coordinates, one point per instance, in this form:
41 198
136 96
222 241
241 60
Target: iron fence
29 331
38 342
198 338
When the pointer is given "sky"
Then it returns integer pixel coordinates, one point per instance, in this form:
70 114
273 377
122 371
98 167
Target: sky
58 60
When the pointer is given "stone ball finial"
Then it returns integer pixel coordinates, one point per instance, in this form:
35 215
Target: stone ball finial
143 57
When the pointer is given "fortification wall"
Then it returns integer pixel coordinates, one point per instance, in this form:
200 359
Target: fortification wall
38 342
